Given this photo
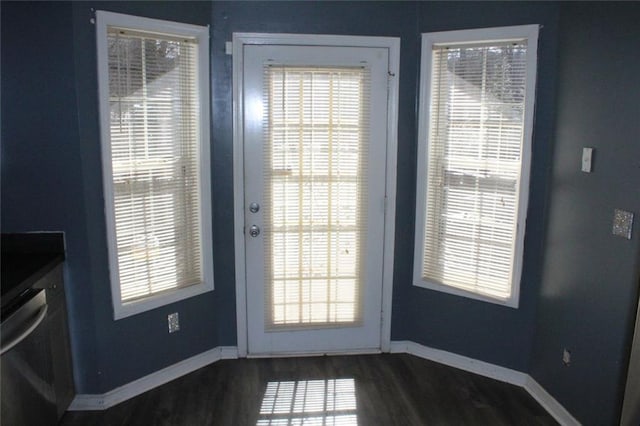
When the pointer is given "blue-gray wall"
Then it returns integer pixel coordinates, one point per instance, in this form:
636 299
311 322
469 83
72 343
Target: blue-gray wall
590 277
580 294
111 353
41 162
135 346
51 180
492 333
394 19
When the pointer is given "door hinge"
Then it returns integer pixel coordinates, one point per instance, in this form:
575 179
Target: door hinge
228 47
390 77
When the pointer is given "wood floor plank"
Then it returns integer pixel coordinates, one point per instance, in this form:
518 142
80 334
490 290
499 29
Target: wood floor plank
386 389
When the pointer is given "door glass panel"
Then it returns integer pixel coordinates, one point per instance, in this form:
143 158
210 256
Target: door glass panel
315 155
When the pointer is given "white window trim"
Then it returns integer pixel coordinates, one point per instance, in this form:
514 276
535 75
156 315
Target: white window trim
466 37
201 33
393 44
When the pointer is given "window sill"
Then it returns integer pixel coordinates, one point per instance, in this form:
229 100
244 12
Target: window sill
511 302
127 309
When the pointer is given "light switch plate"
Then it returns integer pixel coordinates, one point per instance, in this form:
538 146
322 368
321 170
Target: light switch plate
622 223
587 156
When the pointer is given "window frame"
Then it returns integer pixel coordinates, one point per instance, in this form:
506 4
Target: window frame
104 20
467 38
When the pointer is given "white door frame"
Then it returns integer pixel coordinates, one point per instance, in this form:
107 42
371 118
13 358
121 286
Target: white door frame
391 43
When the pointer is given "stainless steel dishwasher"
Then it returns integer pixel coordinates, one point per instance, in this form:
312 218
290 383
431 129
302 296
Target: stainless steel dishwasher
28 397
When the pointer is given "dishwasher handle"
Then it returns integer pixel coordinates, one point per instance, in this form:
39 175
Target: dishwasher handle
41 314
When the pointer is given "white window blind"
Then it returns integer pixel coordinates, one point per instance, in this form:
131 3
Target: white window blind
475 157
315 158
153 176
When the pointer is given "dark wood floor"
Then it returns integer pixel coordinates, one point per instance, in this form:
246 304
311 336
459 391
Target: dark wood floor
387 389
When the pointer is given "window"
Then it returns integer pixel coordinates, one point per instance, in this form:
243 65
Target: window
476 115
154 108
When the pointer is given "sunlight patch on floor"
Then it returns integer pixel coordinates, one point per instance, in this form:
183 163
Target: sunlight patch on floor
309 402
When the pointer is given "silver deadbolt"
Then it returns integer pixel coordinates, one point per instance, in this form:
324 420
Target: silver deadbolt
254 231
254 207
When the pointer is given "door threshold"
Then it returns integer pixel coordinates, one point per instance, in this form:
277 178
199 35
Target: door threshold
364 351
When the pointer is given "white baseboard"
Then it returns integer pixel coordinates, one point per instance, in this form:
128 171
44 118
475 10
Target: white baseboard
84 402
293 354
228 352
549 403
461 362
553 407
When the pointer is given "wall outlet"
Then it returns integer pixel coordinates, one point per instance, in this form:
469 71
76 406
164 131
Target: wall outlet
174 322
566 357
587 157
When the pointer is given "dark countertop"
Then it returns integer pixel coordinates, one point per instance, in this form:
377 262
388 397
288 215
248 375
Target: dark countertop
25 259
20 271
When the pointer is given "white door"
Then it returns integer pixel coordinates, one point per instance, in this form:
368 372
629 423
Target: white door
315 139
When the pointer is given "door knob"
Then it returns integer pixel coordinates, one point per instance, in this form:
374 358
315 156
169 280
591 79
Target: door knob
254 207
254 231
